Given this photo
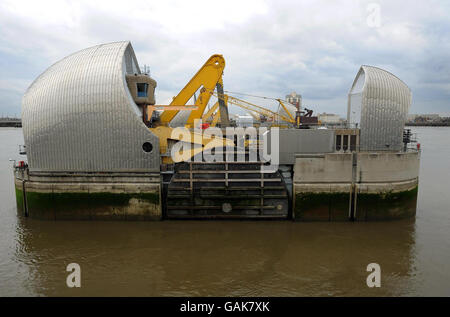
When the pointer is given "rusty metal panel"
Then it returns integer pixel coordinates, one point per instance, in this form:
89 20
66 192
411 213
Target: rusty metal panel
378 104
79 115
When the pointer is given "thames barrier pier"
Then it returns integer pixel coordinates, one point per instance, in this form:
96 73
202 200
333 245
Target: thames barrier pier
84 136
98 148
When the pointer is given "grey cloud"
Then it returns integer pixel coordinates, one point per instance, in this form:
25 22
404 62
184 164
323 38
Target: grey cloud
313 47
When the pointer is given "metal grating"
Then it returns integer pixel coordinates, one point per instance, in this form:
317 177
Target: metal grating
226 190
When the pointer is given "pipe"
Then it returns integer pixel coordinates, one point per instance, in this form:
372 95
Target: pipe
25 203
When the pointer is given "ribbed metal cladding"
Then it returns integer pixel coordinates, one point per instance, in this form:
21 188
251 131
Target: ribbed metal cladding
79 115
380 106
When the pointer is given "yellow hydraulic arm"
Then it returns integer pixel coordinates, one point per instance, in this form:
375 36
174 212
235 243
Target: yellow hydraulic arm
210 112
206 80
214 116
291 118
258 109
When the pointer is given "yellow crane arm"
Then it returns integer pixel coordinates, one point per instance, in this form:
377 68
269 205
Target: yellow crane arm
214 116
286 110
255 108
210 112
215 119
205 79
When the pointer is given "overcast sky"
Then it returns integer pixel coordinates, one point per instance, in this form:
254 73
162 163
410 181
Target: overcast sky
270 47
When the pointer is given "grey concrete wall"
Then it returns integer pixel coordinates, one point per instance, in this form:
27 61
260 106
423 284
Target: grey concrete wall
109 196
323 168
388 167
294 141
55 177
383 186
371 167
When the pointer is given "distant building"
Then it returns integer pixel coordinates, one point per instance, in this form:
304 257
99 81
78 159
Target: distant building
411 117
295 99
430 117
329 118
244 121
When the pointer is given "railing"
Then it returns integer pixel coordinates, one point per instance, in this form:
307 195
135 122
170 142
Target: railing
410 140
347 140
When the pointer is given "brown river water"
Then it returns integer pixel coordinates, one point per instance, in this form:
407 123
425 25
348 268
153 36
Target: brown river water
232 258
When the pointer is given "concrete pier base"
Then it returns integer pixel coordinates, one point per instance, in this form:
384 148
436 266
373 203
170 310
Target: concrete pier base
103 196
356 186
321 202
372 202
385 201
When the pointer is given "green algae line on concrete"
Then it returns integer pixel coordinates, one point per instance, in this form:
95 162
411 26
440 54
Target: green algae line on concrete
90 206
334 206
321 206
387 205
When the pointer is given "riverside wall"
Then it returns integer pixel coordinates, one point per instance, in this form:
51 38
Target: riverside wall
93 196
360 186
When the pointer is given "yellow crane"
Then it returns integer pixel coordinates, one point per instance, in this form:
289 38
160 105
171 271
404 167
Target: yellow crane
212 116
208 82
208 78
269 114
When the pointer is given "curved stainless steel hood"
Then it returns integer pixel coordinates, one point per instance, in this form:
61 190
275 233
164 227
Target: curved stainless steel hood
79 115
378 104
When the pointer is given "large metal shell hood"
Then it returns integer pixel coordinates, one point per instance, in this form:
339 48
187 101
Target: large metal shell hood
79 115
378 104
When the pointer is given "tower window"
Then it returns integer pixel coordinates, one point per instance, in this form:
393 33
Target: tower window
338 142
345 143
142 89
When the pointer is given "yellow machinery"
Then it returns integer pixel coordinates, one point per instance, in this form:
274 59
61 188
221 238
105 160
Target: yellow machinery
276 119
212 116
223 189
208 78
267 113
208 82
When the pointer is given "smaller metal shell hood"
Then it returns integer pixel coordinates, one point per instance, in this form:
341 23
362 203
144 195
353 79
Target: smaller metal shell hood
378 104
79 115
